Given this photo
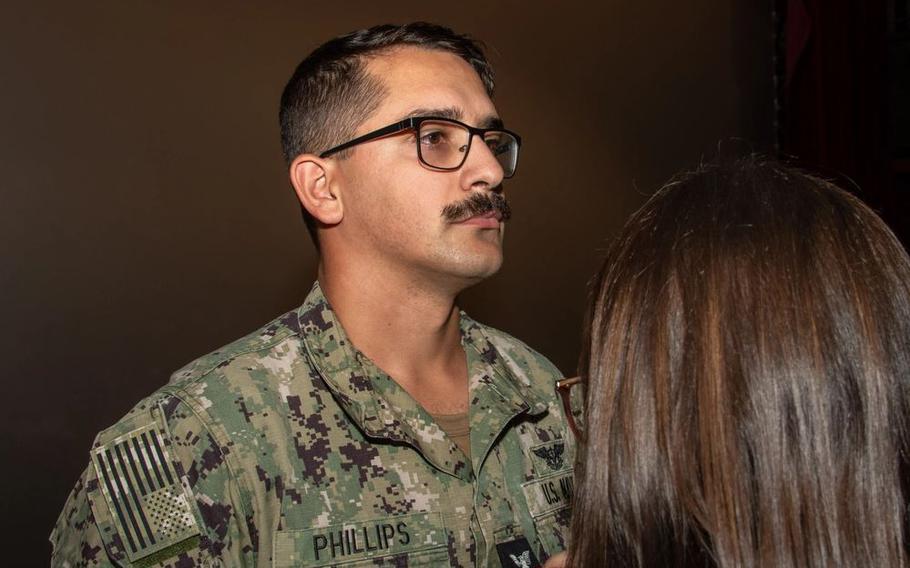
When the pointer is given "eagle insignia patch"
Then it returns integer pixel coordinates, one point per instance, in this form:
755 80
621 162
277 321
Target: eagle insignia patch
517 554
551 454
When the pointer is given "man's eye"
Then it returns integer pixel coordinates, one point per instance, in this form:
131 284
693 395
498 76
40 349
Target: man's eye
497 145
432 138
494 140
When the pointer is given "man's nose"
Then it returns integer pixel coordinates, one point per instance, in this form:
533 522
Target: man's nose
481 167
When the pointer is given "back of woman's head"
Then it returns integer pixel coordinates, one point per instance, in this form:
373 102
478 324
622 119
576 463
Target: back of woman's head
747 368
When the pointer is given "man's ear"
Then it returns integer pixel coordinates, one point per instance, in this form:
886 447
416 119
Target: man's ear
312 178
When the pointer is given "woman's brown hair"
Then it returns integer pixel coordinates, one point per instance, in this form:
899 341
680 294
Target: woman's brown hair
747 380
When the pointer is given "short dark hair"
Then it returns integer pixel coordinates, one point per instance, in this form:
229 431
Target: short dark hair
747 367
331 93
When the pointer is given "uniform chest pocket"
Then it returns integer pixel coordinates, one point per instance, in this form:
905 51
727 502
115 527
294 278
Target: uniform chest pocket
417 539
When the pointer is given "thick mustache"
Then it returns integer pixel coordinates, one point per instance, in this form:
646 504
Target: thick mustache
477 204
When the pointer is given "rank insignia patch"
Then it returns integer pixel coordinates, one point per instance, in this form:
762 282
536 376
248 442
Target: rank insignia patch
551 454
517 554
147 501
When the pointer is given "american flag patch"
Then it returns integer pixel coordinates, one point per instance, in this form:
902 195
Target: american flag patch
147 501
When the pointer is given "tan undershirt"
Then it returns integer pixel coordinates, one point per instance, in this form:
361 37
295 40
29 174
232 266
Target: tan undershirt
456 426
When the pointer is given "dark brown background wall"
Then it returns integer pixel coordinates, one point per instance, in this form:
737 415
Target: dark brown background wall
145 217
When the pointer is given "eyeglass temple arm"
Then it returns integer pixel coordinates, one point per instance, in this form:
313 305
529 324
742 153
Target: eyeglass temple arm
401 125
566 383
562 387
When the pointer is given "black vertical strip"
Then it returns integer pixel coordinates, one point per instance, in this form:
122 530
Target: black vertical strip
132 462
125 500
148 447
113 499
141 457
164 465
139 511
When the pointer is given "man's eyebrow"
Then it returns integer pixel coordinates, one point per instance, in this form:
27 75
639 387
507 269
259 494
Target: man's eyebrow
491 122
454 113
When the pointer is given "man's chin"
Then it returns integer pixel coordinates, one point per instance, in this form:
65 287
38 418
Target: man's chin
481 268
467 264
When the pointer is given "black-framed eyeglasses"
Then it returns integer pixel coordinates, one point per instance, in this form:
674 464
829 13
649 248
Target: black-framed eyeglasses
443 143
572 393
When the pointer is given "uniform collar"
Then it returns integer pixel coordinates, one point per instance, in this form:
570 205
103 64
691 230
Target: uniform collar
509 381
382 409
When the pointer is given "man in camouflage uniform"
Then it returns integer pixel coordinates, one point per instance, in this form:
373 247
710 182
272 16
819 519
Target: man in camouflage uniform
411 435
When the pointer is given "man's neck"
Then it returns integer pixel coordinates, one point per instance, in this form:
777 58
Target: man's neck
408 328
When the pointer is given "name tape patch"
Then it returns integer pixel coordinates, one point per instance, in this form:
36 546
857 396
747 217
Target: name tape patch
359 540
549 493
147 501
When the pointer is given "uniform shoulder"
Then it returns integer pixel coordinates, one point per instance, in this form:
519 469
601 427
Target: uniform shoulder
140 415
174 393
263 339
196 392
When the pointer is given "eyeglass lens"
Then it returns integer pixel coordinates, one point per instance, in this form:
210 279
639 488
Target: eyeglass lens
444 145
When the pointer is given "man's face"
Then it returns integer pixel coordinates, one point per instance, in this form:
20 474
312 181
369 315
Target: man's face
393 204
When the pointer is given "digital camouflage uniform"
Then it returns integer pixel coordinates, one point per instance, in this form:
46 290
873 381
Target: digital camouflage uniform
290 448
